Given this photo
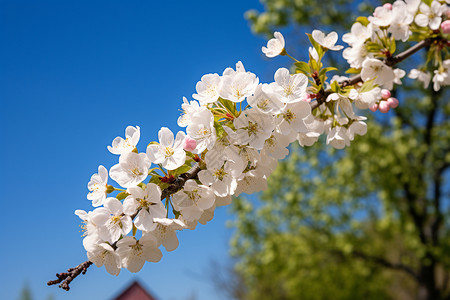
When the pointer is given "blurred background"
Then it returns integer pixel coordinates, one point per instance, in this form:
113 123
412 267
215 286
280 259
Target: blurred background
368 222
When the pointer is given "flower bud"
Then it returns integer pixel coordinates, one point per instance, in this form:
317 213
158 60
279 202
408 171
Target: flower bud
307 98
387 6
385 94
384 107
189 144
374 107
445 26
393 102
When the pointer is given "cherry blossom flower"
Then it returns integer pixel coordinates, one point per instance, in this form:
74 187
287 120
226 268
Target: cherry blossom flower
202 130
101 253
98 186
266 100
131 170
327 41
291 88
122 146
375 69
134 253
365 99
169 152
253 128
165 232
292 118
189 109
421 76
401 19
193 200
275 46
236 88
147 203
207 89
338 137
112 223
430 15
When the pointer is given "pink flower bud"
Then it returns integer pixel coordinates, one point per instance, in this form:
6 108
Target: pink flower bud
393 102
445 26
385 94
374 107
189 144
384 107
388 6
307 98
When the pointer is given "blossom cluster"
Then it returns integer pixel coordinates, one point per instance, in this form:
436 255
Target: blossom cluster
376 36
237 128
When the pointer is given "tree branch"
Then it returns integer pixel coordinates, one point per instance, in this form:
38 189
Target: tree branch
70 275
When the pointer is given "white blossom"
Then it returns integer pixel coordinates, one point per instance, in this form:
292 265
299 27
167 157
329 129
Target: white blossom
375 69
291 119
134 253
207 89
253 128
165 232
421 76
131 170
189 109
327 41
430 15
112 223
101 253
266 100
193 200
169 152
275 46
291 88
202 130
122 146
98 186
147 203
236 88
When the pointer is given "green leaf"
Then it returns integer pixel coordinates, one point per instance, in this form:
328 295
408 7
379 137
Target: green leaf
303 67
219 130
335 86
427 2
392 46
155 180
316 46
122 195
229 105
353 71
183 169
367 86
363 20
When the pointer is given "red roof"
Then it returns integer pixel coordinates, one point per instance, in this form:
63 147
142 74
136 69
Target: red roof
135 292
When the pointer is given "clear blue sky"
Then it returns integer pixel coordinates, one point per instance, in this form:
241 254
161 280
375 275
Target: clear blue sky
73 75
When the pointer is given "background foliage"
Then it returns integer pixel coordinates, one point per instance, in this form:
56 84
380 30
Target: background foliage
367 222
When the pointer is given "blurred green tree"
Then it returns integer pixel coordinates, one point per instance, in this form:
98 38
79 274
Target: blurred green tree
368 222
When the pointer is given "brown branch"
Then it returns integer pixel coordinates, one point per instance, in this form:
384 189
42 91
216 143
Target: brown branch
179 182
390 62
70 275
